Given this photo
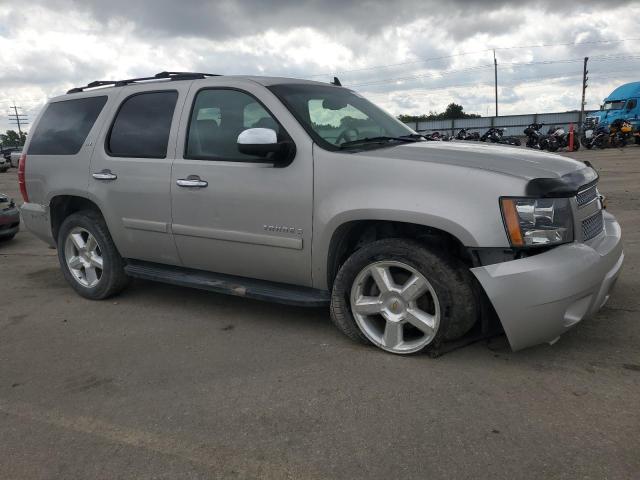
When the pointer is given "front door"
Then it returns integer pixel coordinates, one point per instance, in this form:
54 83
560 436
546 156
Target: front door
234 213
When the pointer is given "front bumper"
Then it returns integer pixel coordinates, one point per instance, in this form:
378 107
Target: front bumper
539 298
9 222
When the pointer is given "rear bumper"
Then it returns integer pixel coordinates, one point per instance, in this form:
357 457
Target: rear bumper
539 298
35 218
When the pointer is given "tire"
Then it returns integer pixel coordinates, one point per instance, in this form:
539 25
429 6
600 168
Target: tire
111 278
448 278
7 238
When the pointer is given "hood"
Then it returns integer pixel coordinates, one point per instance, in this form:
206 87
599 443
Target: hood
514 161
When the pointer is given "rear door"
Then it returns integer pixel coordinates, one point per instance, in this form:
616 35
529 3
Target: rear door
248 217
131 170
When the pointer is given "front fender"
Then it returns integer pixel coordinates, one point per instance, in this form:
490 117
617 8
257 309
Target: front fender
461 201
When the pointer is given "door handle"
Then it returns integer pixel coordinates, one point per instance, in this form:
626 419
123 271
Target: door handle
105 175
192 181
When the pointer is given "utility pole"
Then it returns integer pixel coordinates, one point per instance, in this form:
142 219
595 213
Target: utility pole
495 69
584 89
18 119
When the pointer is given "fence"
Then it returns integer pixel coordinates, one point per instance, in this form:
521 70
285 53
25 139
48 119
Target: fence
514 124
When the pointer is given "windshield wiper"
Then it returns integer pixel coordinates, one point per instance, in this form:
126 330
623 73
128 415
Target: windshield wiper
411 138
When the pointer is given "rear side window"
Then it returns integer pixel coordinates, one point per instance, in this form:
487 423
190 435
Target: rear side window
142 125
64 126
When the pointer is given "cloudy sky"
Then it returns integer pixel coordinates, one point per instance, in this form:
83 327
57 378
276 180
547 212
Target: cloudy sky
408 56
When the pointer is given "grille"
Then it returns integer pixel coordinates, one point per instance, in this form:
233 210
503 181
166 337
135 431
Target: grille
592 226
587 194
591 122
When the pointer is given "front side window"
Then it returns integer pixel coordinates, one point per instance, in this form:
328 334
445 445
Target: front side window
631 104
334 115
64 126
142 125
218 117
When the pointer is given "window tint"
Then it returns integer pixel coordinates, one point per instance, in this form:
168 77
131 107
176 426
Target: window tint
141 127
218 117
64 126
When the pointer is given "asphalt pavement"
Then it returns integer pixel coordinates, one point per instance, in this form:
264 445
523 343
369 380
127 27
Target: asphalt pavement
164 382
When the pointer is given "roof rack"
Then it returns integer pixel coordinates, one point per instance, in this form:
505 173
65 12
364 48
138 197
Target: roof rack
157 76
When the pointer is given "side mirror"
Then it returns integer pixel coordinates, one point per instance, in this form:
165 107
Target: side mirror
263 142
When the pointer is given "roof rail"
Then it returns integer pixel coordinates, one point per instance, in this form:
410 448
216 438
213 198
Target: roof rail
157 76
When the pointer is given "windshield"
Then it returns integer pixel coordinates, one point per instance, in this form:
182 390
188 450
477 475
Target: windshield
613 105
334 116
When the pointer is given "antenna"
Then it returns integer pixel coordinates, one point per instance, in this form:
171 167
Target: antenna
336 82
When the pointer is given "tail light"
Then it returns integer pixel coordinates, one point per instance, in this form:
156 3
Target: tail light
21 180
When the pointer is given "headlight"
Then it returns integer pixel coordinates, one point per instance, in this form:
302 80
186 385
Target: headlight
537 222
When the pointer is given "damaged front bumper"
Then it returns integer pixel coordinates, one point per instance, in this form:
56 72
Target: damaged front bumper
538 298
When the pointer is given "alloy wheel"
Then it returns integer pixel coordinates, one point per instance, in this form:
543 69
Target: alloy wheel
395 306
84 257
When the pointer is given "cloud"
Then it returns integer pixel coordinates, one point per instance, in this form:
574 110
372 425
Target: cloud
409 56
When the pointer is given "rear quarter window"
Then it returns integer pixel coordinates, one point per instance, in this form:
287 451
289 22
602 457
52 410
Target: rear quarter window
64 126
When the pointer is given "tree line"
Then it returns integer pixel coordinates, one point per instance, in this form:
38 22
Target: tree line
11 138
452 112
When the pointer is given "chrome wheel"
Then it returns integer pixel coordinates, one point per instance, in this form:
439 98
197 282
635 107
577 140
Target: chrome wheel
395 306
84 257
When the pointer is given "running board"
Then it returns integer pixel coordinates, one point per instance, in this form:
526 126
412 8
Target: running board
229 284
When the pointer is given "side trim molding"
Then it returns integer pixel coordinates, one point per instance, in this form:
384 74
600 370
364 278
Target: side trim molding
151 226
235 236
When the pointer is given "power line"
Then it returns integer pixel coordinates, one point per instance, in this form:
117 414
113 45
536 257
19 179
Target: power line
601 58
516 80
444 57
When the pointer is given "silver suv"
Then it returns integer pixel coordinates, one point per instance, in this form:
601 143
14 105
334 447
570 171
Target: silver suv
307 194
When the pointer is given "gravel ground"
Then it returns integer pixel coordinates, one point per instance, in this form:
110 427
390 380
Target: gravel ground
166 382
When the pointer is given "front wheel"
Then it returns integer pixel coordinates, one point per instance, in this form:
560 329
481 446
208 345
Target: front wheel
89 259
402 297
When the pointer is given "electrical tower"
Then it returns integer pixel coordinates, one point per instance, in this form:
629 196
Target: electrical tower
584 89
495 71
18 119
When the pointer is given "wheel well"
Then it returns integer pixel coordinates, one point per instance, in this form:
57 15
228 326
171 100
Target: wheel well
351 236
62 206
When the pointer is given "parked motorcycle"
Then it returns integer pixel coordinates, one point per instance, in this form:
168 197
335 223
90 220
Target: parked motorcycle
496 135
557 138
595 137
464 134
436 136
534 135
615 135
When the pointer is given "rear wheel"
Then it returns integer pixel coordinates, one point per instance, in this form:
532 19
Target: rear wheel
403 298
89 259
